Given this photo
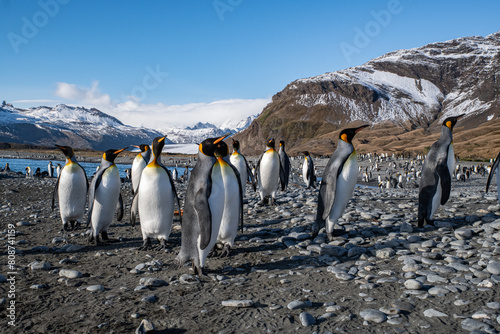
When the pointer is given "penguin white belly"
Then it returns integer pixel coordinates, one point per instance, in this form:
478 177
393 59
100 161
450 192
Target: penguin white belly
239 162
156 203
137 167
216 203
105 200
343 190
304 172
72 193
451 160
230 217
269 173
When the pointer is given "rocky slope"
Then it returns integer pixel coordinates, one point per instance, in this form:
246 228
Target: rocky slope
65 125
405 93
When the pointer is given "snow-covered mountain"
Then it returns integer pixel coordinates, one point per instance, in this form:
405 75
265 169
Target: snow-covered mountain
200 131
406 89
65 125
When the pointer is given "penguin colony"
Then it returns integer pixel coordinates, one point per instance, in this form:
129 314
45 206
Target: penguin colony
213 203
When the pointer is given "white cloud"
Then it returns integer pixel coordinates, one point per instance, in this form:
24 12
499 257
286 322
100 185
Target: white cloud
160 116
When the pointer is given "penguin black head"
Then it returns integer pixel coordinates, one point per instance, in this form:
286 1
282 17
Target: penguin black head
348 134
158 144
282 143
236 145
451 121
270 143
142 147
210 145
306 153
67 150
110 155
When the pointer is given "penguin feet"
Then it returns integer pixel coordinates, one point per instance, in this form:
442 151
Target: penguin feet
329 235
69 226
198 270
146 245
273 202
95 240
225 251
104 235
162 245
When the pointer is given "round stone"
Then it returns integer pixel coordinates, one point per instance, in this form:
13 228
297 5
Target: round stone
373 315
494 267
70 273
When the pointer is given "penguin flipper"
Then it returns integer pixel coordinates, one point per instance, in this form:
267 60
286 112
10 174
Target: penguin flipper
238 177
134 208
493 170
257 168
119 208
204 215
171 179
96 181
445 177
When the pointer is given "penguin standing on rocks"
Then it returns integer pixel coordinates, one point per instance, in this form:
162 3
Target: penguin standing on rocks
438 167
285 162
155 198
495 168
270 174
338 182
241 164
105 197
50 169
308 171
213 206
71 188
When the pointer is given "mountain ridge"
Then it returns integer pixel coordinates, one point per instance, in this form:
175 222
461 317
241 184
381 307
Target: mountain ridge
402 91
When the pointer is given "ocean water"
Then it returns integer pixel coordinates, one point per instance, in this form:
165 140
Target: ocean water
19 165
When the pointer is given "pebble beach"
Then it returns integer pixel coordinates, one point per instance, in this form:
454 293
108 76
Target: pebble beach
382 275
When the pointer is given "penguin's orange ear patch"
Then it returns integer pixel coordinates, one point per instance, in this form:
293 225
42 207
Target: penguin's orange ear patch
200 147
448 124
343 137
104 156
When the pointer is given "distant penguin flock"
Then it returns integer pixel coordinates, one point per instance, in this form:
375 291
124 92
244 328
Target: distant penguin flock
212 212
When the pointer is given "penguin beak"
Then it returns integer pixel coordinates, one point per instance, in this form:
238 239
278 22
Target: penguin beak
136 146
460 116
162 139
119 151
221 138
361 128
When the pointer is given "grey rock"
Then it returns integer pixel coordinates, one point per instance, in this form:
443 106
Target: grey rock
306 319
74 248
434 313
95 288
151 281
437 290
146 326
149 299
70 273
493 305
406 228
494 267
238 303
385 253
413 284
188 279
3 279
40 265
373 315
475 325
299 304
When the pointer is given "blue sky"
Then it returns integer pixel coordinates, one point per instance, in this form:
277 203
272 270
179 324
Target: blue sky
156 63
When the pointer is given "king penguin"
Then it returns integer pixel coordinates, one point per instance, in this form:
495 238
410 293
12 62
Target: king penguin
438 167
270 174
285 162
213 200
495 168
338 182
155 197
308 171
71 188
240 162
105 196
